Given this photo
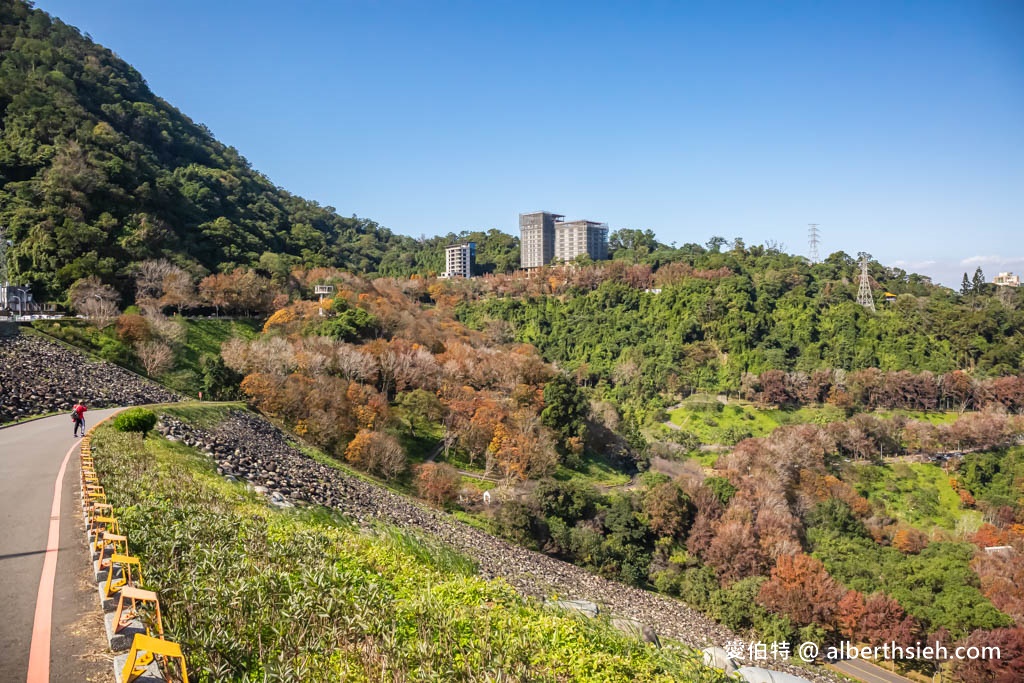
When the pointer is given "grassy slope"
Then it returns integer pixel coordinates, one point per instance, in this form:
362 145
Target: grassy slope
253 592
917 493
736 418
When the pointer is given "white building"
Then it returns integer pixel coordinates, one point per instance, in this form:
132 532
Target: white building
1007 280
460 260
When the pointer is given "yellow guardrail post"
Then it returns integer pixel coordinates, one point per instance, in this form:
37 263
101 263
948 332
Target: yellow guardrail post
112 585
144 650
122 616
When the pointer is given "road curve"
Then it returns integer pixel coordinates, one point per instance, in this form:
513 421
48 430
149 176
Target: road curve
30 458
869 672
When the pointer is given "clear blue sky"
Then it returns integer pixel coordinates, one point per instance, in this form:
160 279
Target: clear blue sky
898 126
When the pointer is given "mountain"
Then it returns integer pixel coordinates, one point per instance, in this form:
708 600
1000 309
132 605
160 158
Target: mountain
98 173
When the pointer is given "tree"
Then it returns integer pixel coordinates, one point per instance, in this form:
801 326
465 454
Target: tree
95 300
377 453
978 281
422 409
155 356
965 286
565 407
668 510
133 328
437 482
801 589
1007 668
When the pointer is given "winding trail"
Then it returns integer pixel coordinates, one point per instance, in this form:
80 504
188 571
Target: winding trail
69 642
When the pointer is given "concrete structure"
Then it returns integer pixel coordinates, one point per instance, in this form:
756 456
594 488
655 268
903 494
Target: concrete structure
576 238
546 236
460 260
537 238
1007 280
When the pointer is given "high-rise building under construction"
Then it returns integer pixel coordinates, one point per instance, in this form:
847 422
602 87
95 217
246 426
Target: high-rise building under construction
546 236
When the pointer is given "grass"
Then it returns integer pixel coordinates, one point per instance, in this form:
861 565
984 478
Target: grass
715 423
203 414
594 469
917 493
254 594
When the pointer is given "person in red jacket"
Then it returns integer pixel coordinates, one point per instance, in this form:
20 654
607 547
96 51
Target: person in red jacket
78 417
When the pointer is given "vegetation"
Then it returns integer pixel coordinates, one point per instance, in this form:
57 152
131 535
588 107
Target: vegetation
139 420
253 594
97 174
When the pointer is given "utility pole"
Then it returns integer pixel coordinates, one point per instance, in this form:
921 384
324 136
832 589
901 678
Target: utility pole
864 296
813 238
3 256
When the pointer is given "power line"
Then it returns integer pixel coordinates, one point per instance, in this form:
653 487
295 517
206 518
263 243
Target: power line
813 238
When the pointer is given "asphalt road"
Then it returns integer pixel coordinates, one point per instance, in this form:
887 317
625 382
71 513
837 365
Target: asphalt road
30 458
868 672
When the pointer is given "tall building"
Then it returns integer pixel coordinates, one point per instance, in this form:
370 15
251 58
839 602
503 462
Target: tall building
545 236
537 238
1007 280
460 260
576 238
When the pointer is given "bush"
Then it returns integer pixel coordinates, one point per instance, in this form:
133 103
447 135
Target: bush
135 420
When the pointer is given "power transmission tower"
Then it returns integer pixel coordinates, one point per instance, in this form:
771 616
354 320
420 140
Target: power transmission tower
814 237
864 296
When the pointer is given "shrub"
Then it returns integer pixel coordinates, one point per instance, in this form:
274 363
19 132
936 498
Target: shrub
135 420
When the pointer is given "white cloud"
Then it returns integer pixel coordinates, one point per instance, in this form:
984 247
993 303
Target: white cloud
992 260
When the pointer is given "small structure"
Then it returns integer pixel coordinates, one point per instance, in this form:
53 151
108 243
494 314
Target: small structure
322 291
1007 280
999 550
889 297
460 260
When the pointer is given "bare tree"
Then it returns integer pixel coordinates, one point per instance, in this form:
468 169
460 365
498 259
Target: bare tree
155 356
95 300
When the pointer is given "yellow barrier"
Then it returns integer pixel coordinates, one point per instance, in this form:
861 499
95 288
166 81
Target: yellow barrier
144 649
122 616
112 586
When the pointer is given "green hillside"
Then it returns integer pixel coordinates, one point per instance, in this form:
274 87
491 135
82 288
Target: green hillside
98 172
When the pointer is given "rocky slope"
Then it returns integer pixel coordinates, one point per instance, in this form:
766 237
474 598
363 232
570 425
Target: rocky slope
39 376
248 448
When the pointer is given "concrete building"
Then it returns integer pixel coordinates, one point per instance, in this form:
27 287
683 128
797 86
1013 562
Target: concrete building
546 236
460 260
537 238
1007 280
576 238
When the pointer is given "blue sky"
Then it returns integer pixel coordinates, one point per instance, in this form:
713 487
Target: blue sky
898 127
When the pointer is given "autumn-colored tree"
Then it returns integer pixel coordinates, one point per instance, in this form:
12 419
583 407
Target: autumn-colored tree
848 614
988 536
1008 667
377 453
734 551
264 391
133 328
668 510
437 482
909 540
801 589
884 621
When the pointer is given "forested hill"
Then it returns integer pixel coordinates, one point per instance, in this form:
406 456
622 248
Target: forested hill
97 172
